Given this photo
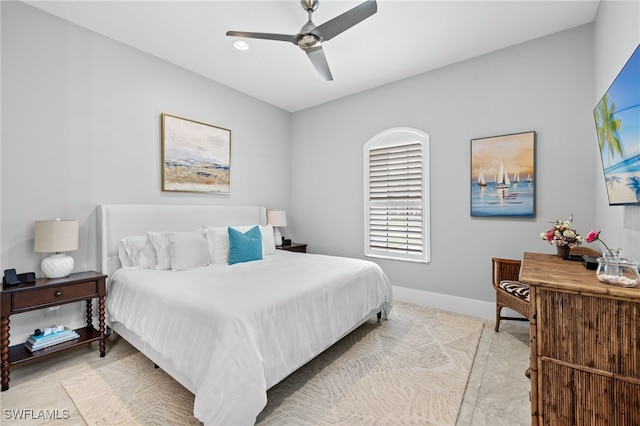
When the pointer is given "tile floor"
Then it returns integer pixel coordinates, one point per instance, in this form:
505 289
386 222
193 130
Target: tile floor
497 392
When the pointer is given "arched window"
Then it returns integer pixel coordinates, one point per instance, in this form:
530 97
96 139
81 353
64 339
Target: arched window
396 184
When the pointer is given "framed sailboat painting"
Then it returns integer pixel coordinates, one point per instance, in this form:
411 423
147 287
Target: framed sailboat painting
503 175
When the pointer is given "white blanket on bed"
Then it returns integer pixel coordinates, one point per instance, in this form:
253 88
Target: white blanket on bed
237 330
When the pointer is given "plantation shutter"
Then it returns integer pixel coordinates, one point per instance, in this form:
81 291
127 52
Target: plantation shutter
396 201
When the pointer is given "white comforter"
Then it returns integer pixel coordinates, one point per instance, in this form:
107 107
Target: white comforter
237 330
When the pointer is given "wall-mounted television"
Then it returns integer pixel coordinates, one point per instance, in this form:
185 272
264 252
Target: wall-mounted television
617 118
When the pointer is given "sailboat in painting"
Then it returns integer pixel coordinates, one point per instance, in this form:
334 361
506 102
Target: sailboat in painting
481 180
502 181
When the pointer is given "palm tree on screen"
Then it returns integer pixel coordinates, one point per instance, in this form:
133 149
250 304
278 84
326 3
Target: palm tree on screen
608 127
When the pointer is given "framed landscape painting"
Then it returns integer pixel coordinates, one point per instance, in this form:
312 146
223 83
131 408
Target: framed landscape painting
503 175
195 156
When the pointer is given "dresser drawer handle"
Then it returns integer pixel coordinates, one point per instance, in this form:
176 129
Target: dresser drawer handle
58 293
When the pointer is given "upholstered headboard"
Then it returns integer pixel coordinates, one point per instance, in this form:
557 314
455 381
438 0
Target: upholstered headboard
116 221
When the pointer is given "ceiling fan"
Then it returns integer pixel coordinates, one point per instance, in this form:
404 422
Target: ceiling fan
310 37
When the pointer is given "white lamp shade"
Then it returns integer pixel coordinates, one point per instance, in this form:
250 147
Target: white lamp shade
55 236
277 218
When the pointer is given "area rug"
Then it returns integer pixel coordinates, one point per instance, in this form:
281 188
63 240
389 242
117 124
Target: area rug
131 392
411 369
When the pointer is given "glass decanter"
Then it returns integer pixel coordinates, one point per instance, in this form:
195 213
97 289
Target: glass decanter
614 270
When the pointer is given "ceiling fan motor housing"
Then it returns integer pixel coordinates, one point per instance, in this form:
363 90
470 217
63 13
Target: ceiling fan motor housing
309 5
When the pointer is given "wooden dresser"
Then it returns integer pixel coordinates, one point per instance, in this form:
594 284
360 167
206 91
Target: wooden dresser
585 345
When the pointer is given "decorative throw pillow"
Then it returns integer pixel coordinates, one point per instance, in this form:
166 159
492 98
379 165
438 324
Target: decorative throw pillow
245 247
188 250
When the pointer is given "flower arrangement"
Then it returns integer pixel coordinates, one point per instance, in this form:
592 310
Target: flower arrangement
561 234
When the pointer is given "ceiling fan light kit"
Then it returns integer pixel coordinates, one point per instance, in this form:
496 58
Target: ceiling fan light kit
311 37
241 45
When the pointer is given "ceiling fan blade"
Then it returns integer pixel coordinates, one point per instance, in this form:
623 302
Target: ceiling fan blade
266 36
319 61
343 22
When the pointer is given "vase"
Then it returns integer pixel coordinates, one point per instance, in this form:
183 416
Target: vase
614 270
613 254
563 251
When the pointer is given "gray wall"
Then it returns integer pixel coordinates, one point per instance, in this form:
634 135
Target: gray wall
81 127
617 34
544 85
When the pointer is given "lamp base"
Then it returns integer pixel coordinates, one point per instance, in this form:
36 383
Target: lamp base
57 266
277 236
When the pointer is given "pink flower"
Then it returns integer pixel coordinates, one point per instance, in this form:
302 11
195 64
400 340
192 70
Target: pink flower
595 236
592 236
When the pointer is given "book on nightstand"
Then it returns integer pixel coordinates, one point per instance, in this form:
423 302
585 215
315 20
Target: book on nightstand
50 337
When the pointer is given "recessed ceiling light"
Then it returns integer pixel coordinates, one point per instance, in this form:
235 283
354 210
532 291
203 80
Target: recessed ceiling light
241 45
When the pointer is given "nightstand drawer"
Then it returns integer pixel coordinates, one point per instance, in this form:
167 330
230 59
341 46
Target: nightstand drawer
55 295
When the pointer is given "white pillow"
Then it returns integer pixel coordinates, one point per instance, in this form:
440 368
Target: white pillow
125 260
188 250
136 252
268 243
161 244
218 240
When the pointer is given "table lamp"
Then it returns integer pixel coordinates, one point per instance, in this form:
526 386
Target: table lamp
277 218
56 236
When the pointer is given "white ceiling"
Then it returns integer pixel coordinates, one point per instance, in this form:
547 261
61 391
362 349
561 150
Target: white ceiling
402 39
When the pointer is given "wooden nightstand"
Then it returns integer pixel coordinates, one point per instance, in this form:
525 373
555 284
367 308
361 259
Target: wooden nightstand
297 247
45 293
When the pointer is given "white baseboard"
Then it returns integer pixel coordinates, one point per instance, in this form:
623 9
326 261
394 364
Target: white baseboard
460 305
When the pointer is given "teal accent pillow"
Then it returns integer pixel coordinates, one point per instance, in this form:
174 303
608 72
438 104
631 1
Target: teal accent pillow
245 247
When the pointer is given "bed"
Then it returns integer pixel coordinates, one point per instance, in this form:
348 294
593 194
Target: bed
229 332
